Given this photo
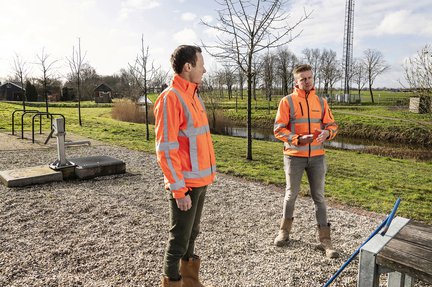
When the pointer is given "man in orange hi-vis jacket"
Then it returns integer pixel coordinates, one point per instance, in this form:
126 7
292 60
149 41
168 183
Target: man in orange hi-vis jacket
185 154
303 122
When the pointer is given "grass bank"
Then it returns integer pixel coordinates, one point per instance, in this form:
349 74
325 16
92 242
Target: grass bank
366 122
360 180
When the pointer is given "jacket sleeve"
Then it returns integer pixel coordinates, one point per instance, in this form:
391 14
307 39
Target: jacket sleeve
329 122
167 125
281 126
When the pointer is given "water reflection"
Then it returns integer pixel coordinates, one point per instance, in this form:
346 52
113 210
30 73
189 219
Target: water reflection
266 134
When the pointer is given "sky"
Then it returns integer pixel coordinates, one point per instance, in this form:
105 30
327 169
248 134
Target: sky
110 31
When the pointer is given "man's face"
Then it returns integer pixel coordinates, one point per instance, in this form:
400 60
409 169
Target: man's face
197 72
304 80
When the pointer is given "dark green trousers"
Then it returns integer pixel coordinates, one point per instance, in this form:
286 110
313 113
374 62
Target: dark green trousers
184 229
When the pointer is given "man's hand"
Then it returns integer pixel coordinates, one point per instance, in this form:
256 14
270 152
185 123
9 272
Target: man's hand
322 135
185 203
306 139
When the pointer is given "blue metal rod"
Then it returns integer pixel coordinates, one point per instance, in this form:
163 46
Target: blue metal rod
390 217
375 232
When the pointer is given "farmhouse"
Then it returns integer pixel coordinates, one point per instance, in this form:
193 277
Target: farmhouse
103 94
11 91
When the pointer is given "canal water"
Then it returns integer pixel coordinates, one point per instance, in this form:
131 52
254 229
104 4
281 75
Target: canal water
370 146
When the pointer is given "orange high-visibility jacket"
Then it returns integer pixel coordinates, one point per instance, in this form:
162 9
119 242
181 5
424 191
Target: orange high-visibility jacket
299 114
184 146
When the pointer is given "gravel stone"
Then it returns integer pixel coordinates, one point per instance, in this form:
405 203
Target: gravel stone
111 230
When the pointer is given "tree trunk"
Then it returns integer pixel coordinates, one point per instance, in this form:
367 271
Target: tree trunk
79 100
371 93
146 116
249 112
45 96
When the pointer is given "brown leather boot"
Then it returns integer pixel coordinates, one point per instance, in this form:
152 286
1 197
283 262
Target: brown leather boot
167 283
325 241
284 231
189 270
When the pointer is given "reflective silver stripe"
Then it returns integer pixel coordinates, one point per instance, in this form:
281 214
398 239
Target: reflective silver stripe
278 126
165 119
303 148
195 131
330 124
167 146
177 185
193 153
302 121
191 132
167 155
201 101
332 132
199 174
321 100
292 113
193 149
289 136
185 108
317 147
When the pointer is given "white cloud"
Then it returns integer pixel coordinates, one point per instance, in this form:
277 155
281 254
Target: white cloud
140 4
186 36
405 22
396 28
188 16
207 19
129 6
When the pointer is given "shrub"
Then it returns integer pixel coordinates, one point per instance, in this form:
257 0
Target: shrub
128 111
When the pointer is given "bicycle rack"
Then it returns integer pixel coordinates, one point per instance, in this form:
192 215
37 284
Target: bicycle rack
22 121
13 118
50 115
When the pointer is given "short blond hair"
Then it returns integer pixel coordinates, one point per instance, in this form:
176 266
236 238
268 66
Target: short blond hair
301 68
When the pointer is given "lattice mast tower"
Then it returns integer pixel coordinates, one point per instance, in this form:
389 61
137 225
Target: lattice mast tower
347 57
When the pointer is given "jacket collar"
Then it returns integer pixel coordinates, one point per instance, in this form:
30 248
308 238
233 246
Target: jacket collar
184 85
302 93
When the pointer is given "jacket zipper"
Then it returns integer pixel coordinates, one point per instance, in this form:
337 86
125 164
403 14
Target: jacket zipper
309 124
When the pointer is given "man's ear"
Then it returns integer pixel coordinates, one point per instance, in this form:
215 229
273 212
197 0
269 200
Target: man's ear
187 67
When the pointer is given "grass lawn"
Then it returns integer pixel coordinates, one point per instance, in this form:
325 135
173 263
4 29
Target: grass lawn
355 179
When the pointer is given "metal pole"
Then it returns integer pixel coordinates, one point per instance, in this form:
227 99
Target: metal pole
390 217
387 221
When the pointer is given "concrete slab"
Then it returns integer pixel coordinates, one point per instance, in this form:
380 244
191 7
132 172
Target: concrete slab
93 166
29 175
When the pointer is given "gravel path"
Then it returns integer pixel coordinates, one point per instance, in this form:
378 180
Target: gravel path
111 231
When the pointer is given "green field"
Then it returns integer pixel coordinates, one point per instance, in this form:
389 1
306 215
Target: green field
360 180
389 122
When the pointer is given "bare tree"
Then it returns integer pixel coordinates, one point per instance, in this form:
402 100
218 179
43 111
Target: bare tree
211 96
418 71
330 70
313 58
75 64
229 79
143 72
241 83
219 81
248 27
159 80
268 76
285 63
47 75
21 72
359 75
375 66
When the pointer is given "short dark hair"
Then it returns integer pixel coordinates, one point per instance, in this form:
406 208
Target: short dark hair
184 54
301 68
